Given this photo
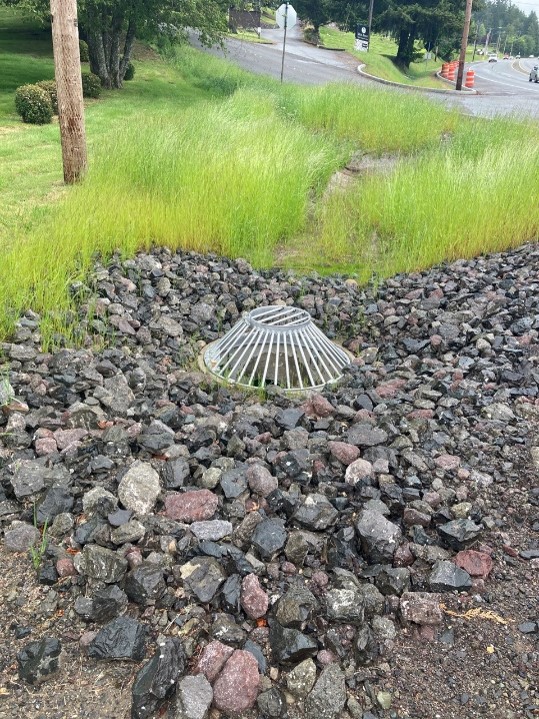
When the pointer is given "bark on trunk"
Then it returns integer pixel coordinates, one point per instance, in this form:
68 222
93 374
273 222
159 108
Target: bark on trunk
128 47
65 41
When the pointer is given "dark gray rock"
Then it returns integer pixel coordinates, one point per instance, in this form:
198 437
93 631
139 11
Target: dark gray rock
194 697
446 577
379 538
345 605
295 607
328 697
56 501
156 681
316 512
100 563
364 435
145 584
203 576
175 473
459 533
122 638
37 661
269 537
290 646
271 703
107 603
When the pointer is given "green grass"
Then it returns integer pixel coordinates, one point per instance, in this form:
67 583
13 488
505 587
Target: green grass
455 203
197 153
379 59
375 120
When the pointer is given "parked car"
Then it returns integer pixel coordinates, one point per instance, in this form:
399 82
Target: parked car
492 57
534 74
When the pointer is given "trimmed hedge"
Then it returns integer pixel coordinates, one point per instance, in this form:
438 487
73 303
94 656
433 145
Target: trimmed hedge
50 88
91 85
33 104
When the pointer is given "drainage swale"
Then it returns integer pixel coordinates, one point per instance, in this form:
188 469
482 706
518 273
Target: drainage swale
276 345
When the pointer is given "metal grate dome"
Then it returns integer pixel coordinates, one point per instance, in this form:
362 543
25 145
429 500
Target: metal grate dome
276 345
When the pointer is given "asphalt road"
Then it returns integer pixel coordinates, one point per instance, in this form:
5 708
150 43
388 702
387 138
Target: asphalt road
503 87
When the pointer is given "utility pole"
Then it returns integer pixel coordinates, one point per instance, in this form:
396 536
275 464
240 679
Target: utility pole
464 43
371 8
475 41
65 43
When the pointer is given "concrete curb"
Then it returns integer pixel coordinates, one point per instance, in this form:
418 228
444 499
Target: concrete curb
467 90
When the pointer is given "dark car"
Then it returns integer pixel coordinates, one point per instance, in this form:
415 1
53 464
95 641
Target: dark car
534 74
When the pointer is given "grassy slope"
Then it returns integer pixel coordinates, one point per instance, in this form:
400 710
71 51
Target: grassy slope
379 61
197 153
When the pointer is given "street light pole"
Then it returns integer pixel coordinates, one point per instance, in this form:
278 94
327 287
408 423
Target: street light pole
284 39
464 43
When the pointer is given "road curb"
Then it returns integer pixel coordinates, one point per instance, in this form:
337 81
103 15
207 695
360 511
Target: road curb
466 91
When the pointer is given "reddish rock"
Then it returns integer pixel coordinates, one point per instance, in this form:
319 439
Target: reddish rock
344 452
412 516
66 568
236 688
320 578
420 414
421 608
261 481
254 599
403 557
193 506
326 657
477 564
45 446
390 388
447 462
66 437
318 406
213 659
436 340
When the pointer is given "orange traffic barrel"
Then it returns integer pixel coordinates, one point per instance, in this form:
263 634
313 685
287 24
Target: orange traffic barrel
445 69
451 74
470 77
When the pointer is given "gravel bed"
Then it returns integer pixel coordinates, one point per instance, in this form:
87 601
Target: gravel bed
177 548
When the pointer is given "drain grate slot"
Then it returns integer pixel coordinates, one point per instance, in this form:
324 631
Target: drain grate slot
277 345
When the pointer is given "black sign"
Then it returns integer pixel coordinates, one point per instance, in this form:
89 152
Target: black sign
362 33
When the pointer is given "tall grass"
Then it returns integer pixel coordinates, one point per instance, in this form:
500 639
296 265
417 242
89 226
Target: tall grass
377 120
468 199
233 177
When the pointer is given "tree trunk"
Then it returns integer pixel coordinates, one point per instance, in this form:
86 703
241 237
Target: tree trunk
65 41
114 55
128 47
405 51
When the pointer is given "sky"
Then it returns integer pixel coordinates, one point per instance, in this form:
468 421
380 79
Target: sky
528 6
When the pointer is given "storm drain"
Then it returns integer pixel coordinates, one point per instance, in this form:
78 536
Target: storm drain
277 345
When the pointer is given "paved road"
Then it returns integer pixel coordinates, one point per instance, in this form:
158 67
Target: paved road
503 87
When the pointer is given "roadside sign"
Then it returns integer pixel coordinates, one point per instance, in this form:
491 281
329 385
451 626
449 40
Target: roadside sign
281 16
362 38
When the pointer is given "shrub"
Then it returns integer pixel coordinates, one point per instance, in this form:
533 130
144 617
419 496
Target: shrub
50 88
91 85
33 104
311 36
129 71
83 49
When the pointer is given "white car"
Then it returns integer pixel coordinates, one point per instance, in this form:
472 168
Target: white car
534 74
492 57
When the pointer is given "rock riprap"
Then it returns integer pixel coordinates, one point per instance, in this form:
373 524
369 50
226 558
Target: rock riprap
269 547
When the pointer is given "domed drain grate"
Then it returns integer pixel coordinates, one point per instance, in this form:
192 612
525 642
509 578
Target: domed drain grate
276 345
